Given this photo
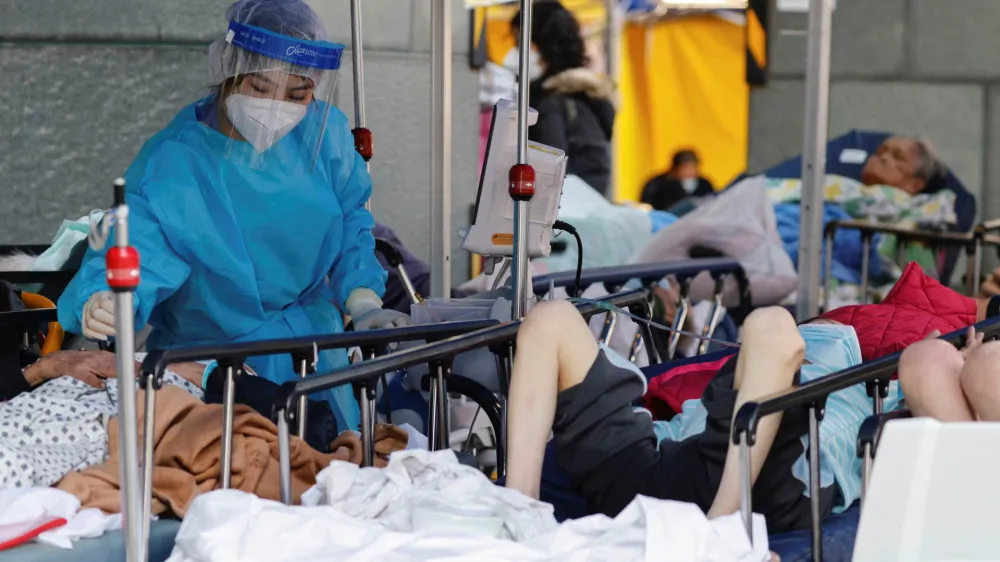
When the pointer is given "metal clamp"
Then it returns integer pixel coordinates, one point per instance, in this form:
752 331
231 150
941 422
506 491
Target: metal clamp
683 307
306 368
717 311
439 414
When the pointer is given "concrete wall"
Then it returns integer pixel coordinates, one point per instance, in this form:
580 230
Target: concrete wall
87 82
911 66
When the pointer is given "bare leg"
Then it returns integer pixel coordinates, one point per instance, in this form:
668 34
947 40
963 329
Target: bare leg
555 350
771 353
980 381
929 378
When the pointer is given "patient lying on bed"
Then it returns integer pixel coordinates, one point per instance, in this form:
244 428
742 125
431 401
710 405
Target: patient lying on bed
910 164
564 381
898 185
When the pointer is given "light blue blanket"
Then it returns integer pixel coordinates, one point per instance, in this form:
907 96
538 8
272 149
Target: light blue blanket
847 244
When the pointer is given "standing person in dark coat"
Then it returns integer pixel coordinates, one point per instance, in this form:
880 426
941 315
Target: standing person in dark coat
575 111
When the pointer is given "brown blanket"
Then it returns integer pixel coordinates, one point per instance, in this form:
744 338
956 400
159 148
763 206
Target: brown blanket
188 453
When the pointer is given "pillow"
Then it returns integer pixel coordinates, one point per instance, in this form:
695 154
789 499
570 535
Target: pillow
917 305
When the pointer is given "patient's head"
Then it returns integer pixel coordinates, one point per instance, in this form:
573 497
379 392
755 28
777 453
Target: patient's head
908 163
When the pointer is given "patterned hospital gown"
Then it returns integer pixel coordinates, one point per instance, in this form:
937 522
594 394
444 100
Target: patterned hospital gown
59 427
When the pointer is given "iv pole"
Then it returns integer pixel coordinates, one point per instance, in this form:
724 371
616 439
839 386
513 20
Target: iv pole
814 158
440 211
522 176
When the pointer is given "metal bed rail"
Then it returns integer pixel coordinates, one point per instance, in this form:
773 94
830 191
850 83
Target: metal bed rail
26 319
973 243
812 396
305 354
868 438
648 275
438 355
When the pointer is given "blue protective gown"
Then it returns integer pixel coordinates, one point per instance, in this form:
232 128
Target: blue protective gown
234 253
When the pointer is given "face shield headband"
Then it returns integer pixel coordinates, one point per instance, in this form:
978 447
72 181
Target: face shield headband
319 55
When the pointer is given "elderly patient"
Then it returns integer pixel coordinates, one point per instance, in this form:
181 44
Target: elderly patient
907 163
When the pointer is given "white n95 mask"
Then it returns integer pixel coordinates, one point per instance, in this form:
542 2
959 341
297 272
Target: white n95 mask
263 122
534 65
512 62
689 185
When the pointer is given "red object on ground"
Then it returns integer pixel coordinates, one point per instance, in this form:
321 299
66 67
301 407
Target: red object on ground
17 534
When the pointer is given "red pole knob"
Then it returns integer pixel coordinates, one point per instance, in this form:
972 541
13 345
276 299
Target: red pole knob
364 143
522 182
122 266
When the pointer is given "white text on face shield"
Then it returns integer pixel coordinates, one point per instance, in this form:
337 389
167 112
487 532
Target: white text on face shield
295 50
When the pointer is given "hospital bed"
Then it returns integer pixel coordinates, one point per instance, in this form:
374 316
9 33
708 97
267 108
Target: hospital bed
846 155
109 546
613 280
439 355
163 531
833 540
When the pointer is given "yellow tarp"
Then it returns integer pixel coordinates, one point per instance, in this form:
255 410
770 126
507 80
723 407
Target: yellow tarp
683 85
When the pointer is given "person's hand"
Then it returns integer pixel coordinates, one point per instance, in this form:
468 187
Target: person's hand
668 298
935 334
90 367
973 340
380 319
991 286
99 316
365 309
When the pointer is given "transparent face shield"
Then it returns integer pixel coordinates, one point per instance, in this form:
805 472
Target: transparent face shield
276 100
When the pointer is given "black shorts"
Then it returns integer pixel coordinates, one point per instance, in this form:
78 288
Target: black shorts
610 451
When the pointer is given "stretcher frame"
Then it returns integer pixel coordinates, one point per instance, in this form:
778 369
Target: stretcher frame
875 375
304 352
614 280
972 242
27 319
499 339
438 355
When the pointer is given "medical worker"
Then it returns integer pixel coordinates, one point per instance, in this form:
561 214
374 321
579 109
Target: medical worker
248 209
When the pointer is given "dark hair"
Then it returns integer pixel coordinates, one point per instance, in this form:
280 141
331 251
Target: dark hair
556 33
682 157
